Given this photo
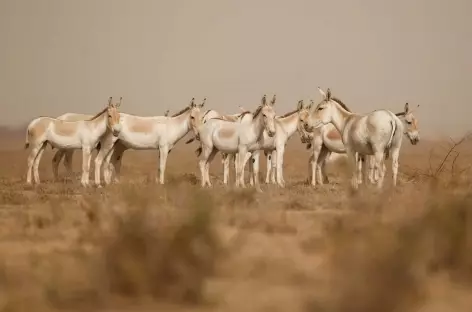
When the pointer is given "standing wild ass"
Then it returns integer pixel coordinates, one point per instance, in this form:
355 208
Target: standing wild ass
243 116
70 135
378 133
234 137
326 140
274 147
145 133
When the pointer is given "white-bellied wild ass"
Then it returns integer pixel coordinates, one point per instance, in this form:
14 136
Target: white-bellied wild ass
327 140
378 133
234 137
274 147
145 133
67 154
238 117
80 134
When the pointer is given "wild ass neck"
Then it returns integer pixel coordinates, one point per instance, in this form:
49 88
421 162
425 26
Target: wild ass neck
340 117
257 125
99 122
179 126
288 124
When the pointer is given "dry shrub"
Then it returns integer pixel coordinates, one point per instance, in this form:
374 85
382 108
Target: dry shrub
165 258
140 250
379 261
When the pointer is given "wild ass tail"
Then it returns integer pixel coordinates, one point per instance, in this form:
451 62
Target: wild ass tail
389 144
198 151
27 143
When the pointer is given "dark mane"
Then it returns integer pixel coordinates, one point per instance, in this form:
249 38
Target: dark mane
206 113
341 103
258 110
181 112
97 115
289 114
400 114
244 114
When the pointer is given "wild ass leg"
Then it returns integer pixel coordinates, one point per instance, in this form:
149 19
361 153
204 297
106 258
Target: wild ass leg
379 155
206 151
226 159
36 162
242 152
268 166
353 158
321 165
163 152
255 169
31 157
207 166
280 163
116 159
68 162
103 160
55 163
273 171
314 162
86 157
395 153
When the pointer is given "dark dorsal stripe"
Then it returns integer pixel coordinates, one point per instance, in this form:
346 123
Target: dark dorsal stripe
341 103
289 114
181 112
400 114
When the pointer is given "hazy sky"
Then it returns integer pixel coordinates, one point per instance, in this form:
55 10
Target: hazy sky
60 56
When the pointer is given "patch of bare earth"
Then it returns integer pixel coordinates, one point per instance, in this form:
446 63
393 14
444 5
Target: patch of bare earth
139 246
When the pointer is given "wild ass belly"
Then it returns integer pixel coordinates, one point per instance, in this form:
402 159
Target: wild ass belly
226 145
65 142
139 141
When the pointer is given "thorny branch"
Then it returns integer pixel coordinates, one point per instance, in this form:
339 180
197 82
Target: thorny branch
451 154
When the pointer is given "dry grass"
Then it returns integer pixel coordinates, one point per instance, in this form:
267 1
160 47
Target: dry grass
138 246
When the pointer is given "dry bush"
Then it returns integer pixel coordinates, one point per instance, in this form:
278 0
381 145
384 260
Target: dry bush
381 260
133 246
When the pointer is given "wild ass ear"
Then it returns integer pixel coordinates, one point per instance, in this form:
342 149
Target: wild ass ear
109 100
407 108
119 103
328 94
264 100
166 113
300 105
203 103
192 102
322 92
272 103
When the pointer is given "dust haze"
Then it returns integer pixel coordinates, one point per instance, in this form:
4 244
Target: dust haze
70 56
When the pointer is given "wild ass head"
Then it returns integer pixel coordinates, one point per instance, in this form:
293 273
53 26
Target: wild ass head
302 110
196 115
411 129
323 113
268 115
113 116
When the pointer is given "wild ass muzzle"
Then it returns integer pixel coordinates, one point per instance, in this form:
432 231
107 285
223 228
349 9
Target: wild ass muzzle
219 135
375 133
70 135
146 133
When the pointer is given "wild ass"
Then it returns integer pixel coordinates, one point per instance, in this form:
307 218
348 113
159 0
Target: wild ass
376 133
234 137
326 140
238 117
274 147
145 133
70 135
69 153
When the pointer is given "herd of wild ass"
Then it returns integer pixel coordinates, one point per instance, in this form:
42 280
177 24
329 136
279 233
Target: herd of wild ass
328 127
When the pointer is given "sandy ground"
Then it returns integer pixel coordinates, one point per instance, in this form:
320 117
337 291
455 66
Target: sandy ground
139 246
